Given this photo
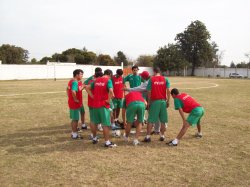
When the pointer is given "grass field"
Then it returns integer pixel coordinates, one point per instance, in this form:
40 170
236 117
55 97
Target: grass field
36 149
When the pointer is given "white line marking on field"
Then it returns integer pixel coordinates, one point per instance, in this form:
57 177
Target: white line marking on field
204 87
34 93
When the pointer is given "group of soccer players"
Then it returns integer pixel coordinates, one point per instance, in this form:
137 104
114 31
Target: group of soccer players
108 95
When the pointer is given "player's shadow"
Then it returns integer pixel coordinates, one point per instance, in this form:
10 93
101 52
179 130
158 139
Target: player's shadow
43 140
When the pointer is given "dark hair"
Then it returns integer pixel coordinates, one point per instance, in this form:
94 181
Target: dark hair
156 70
119 72
174 91
135 67
77 72
108 72
97 69
98 74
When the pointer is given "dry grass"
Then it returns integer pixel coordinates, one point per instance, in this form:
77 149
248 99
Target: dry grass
36 149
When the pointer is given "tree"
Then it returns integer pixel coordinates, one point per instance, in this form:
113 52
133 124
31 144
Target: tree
59 57
194 44
11 54
44 60
232 65
121 58
145 60
105 60
170 58
33 61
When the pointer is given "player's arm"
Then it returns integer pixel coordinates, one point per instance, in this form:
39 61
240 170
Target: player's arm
149 88
88 90
168 91
74 90
111 91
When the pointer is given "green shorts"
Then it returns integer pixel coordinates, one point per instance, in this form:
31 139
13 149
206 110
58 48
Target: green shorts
195 116
75 114
101 115
136 108
158 111
118 103
91 115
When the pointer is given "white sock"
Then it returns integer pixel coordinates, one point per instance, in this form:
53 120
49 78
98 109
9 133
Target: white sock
199 133
74 134
162 136
95 138
136 141
148 136
113 124
107 142
84 125
116 119
175 141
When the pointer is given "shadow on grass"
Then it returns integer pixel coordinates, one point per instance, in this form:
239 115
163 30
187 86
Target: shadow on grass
57 138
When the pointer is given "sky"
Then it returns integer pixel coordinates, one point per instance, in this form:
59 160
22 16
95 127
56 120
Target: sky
135 27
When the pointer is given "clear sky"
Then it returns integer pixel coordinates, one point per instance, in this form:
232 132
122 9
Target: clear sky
136 27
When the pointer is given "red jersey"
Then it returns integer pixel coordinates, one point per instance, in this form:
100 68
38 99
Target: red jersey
158 90
188 102
133 96
118 86
72 104
101 93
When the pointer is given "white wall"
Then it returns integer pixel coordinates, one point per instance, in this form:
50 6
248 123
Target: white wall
61 71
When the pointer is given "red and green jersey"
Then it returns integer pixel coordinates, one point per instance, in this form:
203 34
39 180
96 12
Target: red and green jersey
132 97
158 85
118 87
76 86
134 80
100 88
186 102
89 80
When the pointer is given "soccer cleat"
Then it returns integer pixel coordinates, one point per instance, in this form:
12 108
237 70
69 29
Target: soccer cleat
77 137
162 139
95 141
91 137
111 145
171 143
136 142
84 127
147 140
198 135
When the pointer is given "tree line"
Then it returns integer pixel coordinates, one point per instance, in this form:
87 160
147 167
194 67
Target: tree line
192 48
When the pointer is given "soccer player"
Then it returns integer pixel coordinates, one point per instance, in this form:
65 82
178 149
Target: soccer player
143 89
98 73
102 93
158 100
76 108
135 106
185 103
118 84
133 79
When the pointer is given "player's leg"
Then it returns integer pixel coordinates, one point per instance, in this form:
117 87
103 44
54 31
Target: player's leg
83 125
163 116
74 116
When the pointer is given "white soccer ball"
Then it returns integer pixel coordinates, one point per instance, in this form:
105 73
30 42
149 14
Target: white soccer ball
116 133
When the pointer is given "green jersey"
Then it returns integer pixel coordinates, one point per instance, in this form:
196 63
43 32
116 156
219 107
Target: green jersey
134 80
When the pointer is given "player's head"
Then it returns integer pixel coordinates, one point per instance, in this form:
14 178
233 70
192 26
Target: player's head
98 74
156 70
98 69
145 75
174 92
135 69
119 72
77 74
108 72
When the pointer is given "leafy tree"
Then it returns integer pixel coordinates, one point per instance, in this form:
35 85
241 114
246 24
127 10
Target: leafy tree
145 60
242 65
59 57
89 57
105 60
232 65
121 58
194 44
33 61
170 58
44 60
11 54
79 59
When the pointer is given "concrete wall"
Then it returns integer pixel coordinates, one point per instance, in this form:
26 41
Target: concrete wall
61 71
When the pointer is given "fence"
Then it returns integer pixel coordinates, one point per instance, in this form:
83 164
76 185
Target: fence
64 70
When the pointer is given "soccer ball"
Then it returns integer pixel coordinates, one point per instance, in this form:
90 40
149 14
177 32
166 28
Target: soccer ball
116 133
